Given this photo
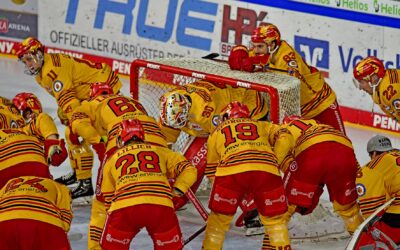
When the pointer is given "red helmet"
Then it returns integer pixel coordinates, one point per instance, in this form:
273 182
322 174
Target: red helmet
131 129
266 34
368 67
289 118
235 110
100 88
27 102
29 45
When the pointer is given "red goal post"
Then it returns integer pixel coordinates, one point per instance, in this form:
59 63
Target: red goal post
282 91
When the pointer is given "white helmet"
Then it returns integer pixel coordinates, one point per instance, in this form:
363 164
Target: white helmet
175 110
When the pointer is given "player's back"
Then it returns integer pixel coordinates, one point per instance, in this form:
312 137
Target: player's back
381 177
308 132
20 154
138 173
109 111
240 145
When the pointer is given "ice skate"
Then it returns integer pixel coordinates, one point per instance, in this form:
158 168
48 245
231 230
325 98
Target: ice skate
67 179
83 193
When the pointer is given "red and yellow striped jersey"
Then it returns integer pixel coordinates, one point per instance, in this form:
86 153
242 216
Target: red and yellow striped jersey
315 94
68 79
36 198
379 181
139 173
241 144
102 116
387 93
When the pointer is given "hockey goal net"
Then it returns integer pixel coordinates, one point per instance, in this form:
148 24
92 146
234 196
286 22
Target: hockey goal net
149 80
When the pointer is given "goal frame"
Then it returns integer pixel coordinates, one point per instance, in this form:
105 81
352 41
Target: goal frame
216 79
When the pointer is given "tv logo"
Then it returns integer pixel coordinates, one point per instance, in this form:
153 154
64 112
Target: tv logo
315 52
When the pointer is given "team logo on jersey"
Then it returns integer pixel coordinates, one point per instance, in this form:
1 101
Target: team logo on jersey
57 86
293 166
216 120
292 64
360 189
396 104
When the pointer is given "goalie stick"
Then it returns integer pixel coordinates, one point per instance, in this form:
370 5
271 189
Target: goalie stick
367 224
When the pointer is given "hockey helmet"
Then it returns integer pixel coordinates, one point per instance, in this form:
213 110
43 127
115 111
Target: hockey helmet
379 143
266 34
368 67
131 129
234 110
30 51
175 110
100 88
28 104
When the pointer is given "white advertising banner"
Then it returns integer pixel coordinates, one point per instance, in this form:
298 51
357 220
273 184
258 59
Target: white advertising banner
333 36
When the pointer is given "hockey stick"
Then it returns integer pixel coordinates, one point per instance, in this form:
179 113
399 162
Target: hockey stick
197 204
194 235
214 55
366 224
203 212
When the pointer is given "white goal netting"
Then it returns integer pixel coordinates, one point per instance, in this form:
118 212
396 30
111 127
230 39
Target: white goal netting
151 79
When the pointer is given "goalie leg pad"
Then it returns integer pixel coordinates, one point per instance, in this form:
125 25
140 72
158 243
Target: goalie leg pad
277 230
170 240
271 203
224 200
303 194
350 214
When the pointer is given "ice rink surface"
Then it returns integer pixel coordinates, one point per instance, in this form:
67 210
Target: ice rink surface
13 81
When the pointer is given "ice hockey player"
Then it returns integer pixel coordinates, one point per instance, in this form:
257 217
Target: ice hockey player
98 120
378 182
194 108
322 156
35 211
42 126
380 83
268 52
137 192
240 155
68 80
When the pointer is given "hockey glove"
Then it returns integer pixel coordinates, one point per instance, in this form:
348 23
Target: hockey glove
239 59
259 62
178 198
74 138
55 151
63 118
100 149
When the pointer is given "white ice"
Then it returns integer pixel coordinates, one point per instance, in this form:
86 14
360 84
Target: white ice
13 81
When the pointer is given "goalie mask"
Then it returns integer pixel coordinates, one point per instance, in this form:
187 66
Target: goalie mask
370 70
100 88
131 130
175 110
268 34
28 104
30 52
235 110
